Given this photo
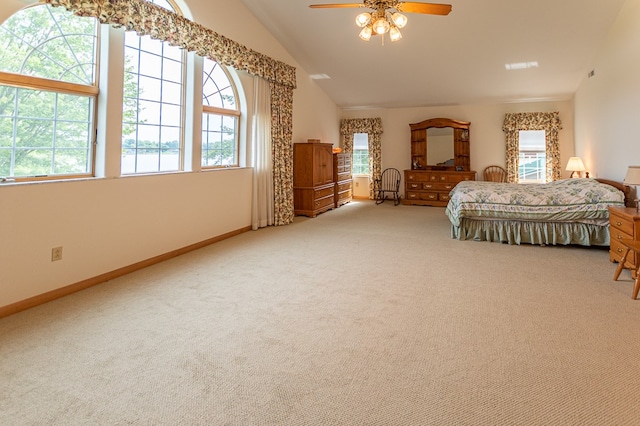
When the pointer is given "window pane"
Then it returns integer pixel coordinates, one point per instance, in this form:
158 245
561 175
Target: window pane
219 140
33 128
532 156
360 165
217 90
152 111
44 132
49 42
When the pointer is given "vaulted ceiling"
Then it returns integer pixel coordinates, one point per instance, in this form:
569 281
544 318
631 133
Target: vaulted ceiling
445 60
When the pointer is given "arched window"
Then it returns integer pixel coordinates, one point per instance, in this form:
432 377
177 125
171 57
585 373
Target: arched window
153 113
219 117
48 94
49 101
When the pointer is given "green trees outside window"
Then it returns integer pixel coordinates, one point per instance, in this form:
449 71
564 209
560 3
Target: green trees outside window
47 93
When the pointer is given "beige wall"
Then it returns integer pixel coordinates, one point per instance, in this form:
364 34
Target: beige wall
109 223
487 137
607 106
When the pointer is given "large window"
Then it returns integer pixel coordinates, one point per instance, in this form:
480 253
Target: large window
49 101
532 162
48 94
152 113
360 154
219 117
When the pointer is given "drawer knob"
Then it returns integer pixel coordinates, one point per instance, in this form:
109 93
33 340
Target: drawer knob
619 250
618 223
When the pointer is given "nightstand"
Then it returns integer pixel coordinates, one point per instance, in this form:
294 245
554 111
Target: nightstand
624 223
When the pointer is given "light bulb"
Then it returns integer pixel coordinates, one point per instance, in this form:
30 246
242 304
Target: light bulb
394 34
365 34
363 19
381 26
399 19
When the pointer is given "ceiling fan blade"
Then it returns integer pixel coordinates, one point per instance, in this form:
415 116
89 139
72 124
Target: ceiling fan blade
322 6
428 8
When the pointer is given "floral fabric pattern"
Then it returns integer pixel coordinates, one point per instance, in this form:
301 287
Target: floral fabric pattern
146 18
282 152
567 200
373 128
547 121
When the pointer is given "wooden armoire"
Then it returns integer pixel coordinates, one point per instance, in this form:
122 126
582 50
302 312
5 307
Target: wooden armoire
313 184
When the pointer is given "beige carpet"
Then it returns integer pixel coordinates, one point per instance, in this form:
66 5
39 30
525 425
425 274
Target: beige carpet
366 315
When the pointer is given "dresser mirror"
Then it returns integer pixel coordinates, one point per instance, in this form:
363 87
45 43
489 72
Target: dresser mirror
440 144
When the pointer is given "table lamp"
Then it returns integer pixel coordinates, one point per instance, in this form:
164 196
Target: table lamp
575 166
633 178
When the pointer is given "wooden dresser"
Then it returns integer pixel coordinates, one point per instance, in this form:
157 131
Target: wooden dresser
432 187
342 178
313 185
624 222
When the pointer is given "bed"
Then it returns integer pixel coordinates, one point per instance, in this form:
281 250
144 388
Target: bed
568 211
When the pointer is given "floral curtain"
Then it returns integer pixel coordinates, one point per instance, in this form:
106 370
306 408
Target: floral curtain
282 149
373 128
146 18
547 121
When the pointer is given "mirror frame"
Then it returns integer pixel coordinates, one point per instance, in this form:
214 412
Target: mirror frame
461 141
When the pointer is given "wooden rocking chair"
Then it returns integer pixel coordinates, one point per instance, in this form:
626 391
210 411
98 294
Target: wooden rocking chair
389 182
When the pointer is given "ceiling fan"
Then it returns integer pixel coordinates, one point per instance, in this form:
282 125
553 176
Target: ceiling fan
383 20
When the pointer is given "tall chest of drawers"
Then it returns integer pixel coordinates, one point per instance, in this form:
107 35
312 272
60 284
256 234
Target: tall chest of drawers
432 187
624 222
313 185
342 178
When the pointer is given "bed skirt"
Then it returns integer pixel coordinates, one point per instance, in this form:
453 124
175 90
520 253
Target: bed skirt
519 232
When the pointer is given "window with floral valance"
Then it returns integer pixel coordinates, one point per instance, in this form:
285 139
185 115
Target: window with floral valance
373 128
547 121
146 18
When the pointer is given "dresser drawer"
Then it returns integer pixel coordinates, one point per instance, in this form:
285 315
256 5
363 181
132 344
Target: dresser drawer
617 234
424 196
343 176
439 186
617 251
323 192
621 223
343 186
345 195
324 202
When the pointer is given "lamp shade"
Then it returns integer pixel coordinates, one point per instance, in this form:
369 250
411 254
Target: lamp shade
575 164
633 176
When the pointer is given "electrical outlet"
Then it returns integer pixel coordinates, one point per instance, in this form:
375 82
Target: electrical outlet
56 253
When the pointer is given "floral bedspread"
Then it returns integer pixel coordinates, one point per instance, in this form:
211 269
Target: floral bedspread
567 200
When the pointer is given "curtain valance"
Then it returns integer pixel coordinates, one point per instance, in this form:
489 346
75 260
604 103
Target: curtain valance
146 18
515 121
361 125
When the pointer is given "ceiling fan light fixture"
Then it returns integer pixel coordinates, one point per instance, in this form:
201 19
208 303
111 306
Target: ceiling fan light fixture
365 34
381 26
399 19
395 34
363 19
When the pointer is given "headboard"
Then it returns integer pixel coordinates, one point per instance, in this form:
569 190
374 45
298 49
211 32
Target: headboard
628 201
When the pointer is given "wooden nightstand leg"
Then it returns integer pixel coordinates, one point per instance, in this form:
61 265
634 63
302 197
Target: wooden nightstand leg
621 265
636 287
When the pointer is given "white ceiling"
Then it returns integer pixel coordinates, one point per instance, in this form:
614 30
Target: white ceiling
445 60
